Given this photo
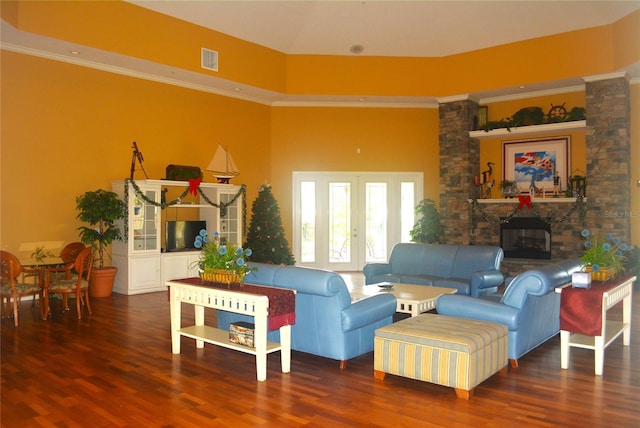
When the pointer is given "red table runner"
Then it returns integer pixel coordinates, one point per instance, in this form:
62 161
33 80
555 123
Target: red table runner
282 303
581 308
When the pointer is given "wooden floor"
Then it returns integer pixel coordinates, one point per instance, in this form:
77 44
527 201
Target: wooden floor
115 369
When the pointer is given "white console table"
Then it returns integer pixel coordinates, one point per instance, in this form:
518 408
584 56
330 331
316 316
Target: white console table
256 305
610 329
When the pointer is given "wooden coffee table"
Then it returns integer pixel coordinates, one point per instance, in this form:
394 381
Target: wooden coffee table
412 299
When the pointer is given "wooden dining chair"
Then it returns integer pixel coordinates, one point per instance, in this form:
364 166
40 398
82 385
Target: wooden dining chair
70 251
13 289
70 284
68 256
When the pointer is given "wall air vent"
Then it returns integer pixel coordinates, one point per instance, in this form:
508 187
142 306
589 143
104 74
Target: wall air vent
209 59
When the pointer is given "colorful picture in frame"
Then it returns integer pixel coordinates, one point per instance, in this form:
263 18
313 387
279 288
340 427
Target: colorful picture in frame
536 161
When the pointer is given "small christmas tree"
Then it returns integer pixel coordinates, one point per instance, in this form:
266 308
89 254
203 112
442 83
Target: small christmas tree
266 235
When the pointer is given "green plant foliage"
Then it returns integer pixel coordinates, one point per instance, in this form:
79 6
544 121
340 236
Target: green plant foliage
100 209
228 257
427 228
606 252
533 116
528 116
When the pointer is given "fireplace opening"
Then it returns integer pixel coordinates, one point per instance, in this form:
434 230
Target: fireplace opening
525 238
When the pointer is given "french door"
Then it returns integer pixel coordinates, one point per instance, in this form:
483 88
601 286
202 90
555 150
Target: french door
343 220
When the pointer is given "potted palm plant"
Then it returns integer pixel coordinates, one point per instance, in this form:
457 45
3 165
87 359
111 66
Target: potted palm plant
100 209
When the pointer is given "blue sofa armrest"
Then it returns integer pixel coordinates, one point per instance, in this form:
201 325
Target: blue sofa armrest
368 311
485 279
478 309
370 270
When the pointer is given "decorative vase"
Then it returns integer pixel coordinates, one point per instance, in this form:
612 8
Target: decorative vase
101 282
604 274
222 275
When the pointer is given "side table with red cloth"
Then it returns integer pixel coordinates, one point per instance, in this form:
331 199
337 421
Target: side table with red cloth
581 308
282 302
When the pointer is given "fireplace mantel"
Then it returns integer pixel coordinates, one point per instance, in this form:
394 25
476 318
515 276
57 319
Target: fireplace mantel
549 200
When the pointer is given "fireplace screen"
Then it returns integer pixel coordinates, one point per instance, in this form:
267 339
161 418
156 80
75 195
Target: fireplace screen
525 238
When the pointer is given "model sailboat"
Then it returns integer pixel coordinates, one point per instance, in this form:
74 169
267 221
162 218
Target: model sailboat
223 166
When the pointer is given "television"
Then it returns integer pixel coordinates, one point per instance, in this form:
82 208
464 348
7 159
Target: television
181 235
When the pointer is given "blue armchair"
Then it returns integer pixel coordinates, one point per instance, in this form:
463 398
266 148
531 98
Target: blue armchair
327 324
529 307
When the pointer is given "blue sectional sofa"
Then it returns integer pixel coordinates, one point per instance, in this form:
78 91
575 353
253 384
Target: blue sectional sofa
327 324
529 307
471 269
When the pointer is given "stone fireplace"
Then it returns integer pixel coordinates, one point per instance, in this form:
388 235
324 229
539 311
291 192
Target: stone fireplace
471 221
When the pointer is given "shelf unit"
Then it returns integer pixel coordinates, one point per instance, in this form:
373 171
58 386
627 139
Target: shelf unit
527 131
143 266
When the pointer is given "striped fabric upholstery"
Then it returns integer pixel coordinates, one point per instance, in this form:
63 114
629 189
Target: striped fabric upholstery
455 352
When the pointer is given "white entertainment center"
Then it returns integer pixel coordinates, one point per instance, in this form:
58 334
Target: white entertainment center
143 266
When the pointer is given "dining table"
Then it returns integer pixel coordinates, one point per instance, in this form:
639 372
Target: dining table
41 265
37 269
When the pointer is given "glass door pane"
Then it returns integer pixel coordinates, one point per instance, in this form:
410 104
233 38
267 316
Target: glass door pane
145 235
339 222
376 222
407 210
308 221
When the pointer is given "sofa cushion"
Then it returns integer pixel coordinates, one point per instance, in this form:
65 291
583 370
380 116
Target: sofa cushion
420 259
460 284
474 258
418 279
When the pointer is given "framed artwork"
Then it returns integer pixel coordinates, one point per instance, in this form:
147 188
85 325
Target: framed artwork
536 161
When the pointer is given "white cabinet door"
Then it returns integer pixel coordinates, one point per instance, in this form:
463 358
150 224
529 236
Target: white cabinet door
146 274
179 266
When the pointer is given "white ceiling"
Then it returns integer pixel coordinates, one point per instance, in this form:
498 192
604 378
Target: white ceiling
383 28
391 28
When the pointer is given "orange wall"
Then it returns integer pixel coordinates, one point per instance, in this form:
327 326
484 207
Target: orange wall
327 139
67 129
70 129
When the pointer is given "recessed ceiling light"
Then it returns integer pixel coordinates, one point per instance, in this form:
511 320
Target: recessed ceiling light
237 89
356 49
74 52
522 86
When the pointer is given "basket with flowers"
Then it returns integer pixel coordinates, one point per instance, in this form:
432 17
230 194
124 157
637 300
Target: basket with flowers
225 263
604 258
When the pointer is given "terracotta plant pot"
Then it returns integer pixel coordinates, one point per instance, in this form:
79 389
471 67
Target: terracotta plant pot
101 283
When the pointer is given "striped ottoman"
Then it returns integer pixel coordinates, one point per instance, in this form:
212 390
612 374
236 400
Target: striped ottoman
449 351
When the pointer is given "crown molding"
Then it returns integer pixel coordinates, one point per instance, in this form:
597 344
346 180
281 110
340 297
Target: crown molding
210 84
607 76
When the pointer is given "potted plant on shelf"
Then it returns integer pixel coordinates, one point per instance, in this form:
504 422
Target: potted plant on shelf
427 229
100 209
225 263
604 258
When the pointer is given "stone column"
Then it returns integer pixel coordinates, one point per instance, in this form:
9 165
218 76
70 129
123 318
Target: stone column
608 155
459 163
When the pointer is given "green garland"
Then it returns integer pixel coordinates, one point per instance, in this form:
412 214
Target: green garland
551 219
222 206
